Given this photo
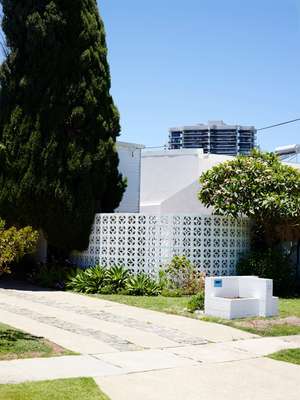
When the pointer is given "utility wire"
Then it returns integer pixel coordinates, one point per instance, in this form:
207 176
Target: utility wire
281 123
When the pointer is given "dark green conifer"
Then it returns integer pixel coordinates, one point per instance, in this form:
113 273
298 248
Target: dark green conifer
58 121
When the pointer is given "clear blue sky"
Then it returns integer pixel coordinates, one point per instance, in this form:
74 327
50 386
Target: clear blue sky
176 62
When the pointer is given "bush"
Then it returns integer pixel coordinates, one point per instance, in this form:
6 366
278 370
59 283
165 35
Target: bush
52 275
91 280
113 280
142 285
271 264
14 244
196 302
118 278
181 275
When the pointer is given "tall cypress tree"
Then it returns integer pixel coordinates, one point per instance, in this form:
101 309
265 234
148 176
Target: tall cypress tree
58 122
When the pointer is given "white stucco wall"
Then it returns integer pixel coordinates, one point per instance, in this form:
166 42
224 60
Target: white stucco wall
169 180
185 201
130 167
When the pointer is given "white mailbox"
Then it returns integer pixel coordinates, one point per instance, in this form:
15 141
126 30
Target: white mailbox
239 297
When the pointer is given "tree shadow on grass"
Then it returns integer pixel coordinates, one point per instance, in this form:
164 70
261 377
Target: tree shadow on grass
11 336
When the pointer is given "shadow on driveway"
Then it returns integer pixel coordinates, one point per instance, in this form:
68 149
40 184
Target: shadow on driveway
21 285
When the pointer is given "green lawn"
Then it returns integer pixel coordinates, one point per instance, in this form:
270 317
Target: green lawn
63 389
17 344
170 305
261 326
290 355
289 307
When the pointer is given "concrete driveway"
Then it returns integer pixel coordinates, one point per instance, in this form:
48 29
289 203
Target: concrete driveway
139 354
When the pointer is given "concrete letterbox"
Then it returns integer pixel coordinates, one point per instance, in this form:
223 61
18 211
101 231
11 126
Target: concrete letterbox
232 297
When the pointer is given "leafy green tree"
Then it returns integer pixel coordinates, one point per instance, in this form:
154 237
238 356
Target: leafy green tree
260 187
14 244
58 121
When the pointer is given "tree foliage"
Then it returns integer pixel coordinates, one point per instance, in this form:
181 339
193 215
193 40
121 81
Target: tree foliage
58 121
14 244
270 264
260 187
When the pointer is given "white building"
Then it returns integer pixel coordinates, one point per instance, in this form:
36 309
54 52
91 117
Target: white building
170 220
130 168
215 137
170 180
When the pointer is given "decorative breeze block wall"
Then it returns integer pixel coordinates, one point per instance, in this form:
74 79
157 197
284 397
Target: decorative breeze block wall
144 242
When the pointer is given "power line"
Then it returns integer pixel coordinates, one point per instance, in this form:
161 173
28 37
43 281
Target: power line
281 123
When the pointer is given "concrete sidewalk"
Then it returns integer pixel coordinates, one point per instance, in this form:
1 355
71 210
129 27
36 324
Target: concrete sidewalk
135 353
255 379
124 363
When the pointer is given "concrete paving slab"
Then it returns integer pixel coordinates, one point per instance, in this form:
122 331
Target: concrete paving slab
139 338
198 329
212 353
262 346
295 339
68 340
259 379
145 360
39 369
204 330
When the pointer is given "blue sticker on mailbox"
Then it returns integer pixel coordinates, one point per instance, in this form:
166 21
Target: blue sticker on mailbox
218 283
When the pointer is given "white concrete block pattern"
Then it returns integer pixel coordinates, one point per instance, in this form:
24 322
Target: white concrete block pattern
144 242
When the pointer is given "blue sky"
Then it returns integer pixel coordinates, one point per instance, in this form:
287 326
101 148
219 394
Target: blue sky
177 62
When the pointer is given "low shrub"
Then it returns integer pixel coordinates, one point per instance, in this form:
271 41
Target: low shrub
107 289
117 278
196 302
181 275
142 285
91 280
113 280
52 276
14 244
271 264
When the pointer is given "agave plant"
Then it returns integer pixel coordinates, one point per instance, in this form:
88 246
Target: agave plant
142 285
96 279
153 288
91 280
117 278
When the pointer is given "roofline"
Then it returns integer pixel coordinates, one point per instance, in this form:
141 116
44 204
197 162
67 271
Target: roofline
130 145
173 153
212 125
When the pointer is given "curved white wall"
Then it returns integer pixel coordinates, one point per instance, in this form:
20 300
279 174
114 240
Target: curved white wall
130 167
170 180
